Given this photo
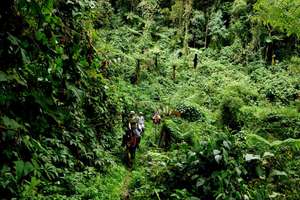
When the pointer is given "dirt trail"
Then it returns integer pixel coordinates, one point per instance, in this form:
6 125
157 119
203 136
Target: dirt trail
125 194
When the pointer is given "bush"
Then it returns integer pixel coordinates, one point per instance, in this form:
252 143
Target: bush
223 166
269 121
190 113
230 111
277 86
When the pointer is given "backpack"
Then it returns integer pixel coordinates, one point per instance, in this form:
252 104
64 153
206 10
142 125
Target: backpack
156 119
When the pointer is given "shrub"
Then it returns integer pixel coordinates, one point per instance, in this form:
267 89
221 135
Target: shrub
277 86
270 121
230 110
189 112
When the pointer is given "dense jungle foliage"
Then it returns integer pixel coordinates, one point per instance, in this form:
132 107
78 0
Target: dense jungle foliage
224 76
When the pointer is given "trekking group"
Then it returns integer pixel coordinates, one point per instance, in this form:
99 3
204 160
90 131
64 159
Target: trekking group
135 128
132 136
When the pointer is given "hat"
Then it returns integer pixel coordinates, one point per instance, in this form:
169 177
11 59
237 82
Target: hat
141 113
132 112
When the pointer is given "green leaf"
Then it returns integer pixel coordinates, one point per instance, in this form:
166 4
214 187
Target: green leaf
77 92
260 172
4 77
274 195
28 167
278 173
195 176
11 123
22 169
19 165
13 39
249 157
268 40
268 154
39 35
220 196
19 80
25 59
200 182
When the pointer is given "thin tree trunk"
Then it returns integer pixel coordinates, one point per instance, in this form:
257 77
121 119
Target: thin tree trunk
174 72
156 61
185 41
206 35
266 53
187 12
137 72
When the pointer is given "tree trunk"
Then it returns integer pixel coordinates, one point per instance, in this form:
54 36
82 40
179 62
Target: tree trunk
187 12
266 53
206 33
156 61
137 72
185 41
174 73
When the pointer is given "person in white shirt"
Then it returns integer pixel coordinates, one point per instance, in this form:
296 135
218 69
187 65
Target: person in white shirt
141 123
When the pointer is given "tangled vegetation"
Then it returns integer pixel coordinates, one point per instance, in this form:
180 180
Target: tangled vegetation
224 76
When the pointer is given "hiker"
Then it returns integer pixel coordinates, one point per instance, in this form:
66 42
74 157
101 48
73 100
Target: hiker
132 121
129 141
132 144
156 118
133 124
126 138
141 123
130 131
156 121
137 134
133 127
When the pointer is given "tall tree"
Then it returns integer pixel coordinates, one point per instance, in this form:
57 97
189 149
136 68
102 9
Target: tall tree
187 14
279 17
283 15
180 15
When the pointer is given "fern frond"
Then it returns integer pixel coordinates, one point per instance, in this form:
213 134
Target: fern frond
260 142
290 142
256 140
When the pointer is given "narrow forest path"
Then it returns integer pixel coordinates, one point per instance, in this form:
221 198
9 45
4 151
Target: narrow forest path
125 195
148 144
